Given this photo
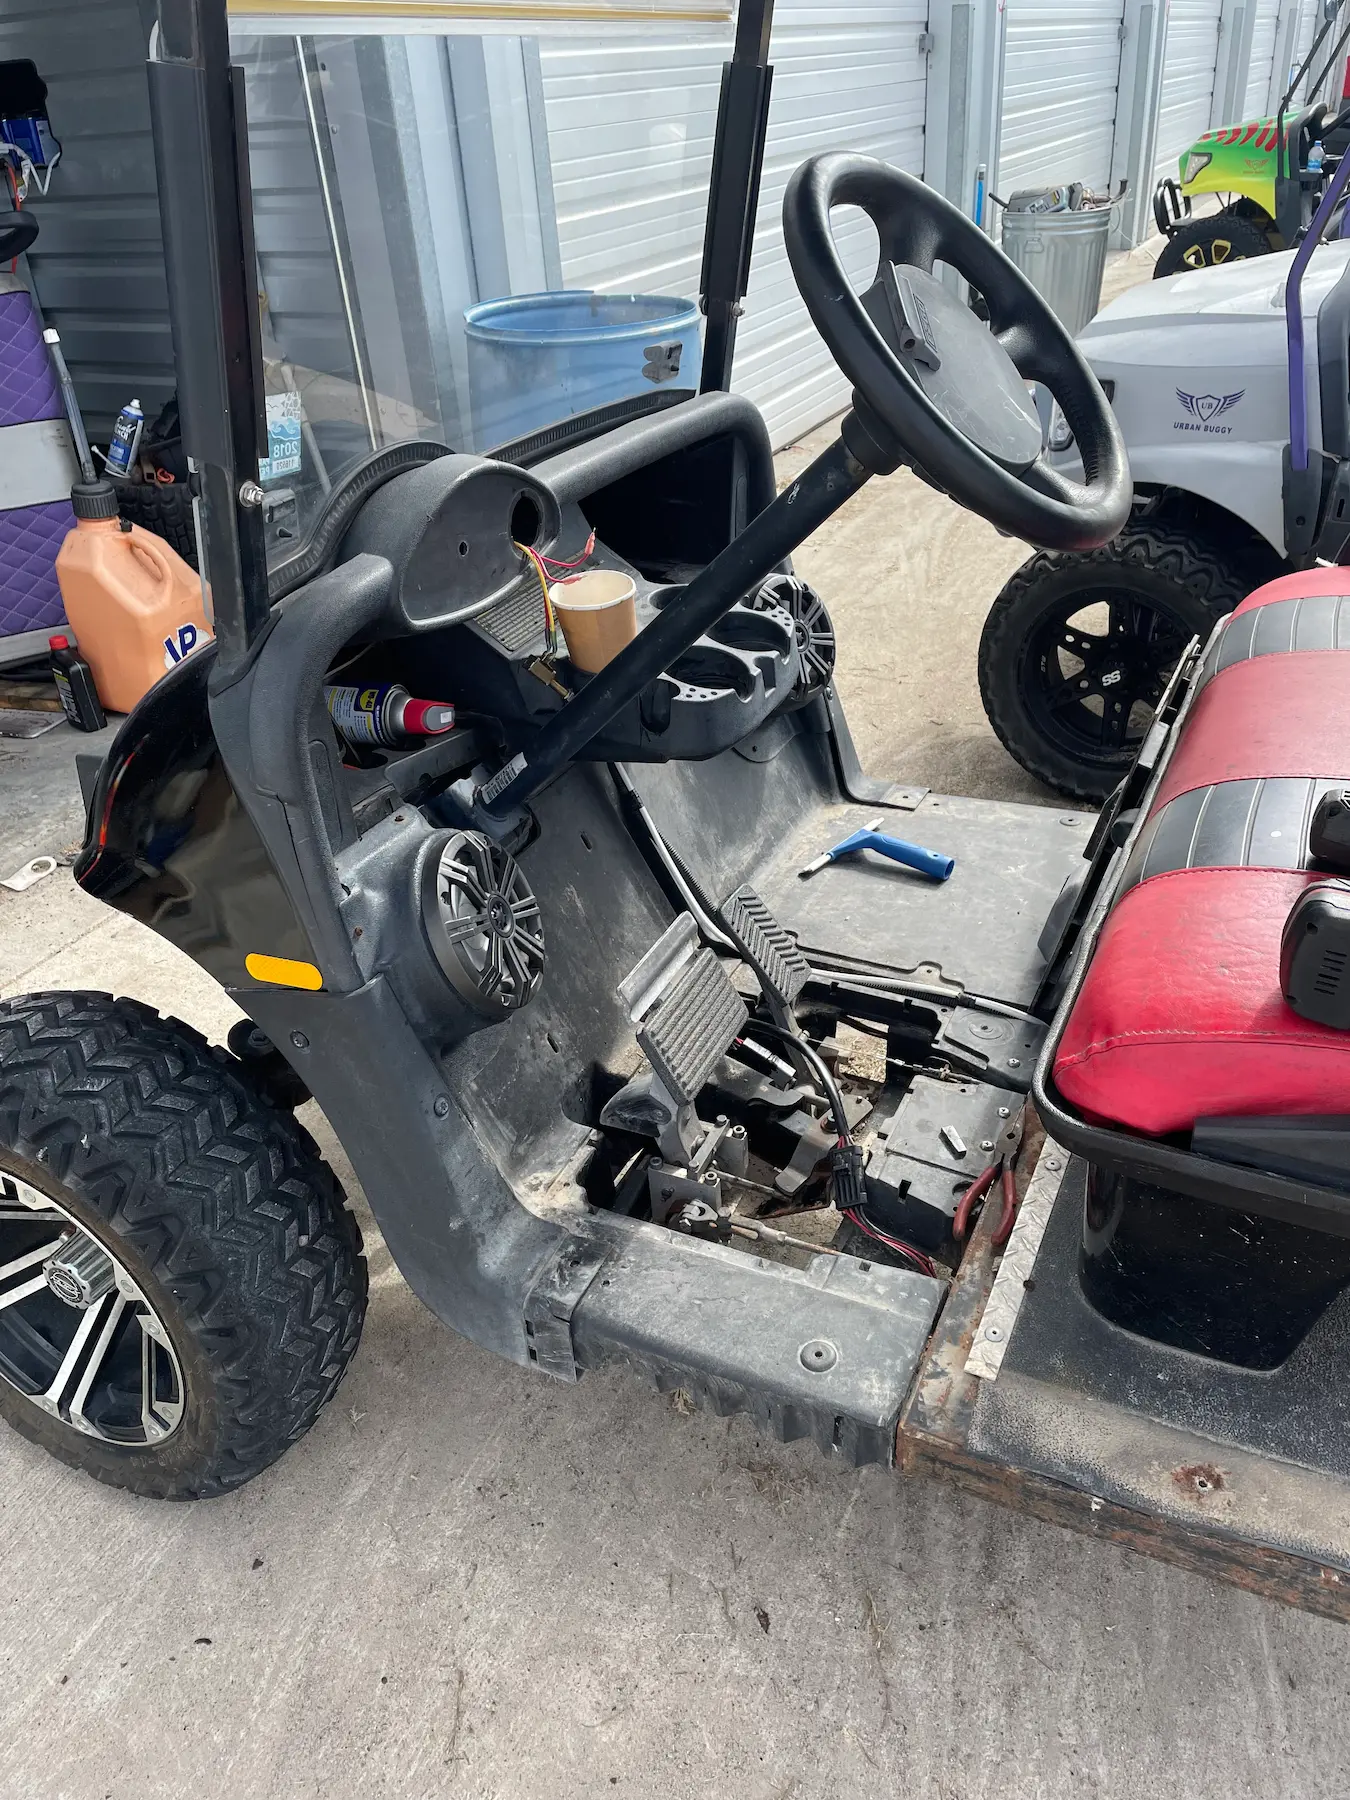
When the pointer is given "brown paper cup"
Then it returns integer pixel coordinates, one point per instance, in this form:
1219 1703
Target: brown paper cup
598 614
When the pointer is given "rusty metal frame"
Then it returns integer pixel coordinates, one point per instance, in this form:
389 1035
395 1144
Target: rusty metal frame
933 1440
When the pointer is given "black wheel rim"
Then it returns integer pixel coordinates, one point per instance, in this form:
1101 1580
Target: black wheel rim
1094 670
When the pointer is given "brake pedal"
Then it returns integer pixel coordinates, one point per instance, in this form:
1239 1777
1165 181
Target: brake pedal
685 1008
687 1015
769 948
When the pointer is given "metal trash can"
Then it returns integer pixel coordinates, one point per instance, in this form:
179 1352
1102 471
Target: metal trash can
1062 254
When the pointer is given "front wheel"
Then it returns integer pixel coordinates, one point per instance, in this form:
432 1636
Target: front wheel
1079 646
181 1284
1209 243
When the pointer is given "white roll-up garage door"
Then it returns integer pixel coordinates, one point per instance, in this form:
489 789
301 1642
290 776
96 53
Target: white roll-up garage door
1061 70
848 75
1186 103
1261 67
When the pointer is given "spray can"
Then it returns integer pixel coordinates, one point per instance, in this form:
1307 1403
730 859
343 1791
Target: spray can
75 685
386 714
126 439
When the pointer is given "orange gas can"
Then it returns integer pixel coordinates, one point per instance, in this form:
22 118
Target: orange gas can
133 603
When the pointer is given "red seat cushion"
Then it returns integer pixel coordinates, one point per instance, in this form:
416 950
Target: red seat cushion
1301 586
1180 1016
1274 715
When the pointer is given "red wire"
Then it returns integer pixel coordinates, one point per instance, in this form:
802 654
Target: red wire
554 563
923 1263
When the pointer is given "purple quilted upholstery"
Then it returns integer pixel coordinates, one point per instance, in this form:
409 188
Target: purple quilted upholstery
28 387
30 537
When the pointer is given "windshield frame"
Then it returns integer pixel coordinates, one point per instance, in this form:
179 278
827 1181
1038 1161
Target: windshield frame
200 137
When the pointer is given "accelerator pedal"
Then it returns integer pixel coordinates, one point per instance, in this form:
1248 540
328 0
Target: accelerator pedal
769 948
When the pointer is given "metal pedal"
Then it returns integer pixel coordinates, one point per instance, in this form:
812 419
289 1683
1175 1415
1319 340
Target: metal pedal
769 948
685 1008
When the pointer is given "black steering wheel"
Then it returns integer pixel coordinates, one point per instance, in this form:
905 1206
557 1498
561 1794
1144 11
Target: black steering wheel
936 387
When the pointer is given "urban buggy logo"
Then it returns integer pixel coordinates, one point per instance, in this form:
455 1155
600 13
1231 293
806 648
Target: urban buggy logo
1205 409
180 645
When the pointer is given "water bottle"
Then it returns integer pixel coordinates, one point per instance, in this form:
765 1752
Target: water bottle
126 440
1315 158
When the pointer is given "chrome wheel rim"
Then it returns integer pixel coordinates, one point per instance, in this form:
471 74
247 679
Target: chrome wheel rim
79 1340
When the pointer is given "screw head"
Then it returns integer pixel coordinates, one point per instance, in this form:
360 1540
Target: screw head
441 1106
300 1041
250 494
986 1143
819 1355
1005 1112
1014 1062
994 1333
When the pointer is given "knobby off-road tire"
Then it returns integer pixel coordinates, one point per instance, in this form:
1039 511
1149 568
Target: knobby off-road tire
1211 243
1165 583
216 1206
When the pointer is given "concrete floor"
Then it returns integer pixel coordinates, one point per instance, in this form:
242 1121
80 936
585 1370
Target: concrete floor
469 1582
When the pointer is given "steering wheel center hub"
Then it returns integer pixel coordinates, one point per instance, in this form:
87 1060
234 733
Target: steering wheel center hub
958 363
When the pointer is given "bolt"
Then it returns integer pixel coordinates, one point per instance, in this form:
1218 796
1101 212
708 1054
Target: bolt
1052 1163
441 1107
1005 1112
1014 1062
654 1162
300 1041
986 1143
250 494
667 1193
721 1119
993 1333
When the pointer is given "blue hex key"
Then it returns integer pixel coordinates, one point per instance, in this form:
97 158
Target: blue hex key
914 856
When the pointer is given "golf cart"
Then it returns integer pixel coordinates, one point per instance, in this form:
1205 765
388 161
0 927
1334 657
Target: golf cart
1230 387
556 979
1272 171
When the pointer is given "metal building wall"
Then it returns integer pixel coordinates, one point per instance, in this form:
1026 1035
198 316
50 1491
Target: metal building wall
848 75
1061 72
98 266
1186 103
1261 67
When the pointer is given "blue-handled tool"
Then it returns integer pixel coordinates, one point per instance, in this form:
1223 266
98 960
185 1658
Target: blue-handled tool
914 856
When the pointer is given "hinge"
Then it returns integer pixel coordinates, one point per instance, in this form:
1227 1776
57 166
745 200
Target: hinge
1120 31
927 43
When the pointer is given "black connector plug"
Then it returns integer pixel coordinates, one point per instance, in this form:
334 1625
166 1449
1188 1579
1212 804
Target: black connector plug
847 1183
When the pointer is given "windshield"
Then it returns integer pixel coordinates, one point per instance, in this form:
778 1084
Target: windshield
467 239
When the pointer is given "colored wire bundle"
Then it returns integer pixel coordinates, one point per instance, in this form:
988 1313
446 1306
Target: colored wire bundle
536 562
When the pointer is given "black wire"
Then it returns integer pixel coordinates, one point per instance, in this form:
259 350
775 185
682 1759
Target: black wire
822 1070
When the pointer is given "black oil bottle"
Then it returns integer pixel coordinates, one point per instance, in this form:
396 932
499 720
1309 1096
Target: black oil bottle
75 684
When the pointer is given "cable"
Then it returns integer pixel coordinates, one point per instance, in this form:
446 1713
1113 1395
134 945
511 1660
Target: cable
554 563
855 1213
810 1054
923 1262
550 623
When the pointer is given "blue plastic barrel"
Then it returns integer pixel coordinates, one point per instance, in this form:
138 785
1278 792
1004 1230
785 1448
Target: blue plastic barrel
538 358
